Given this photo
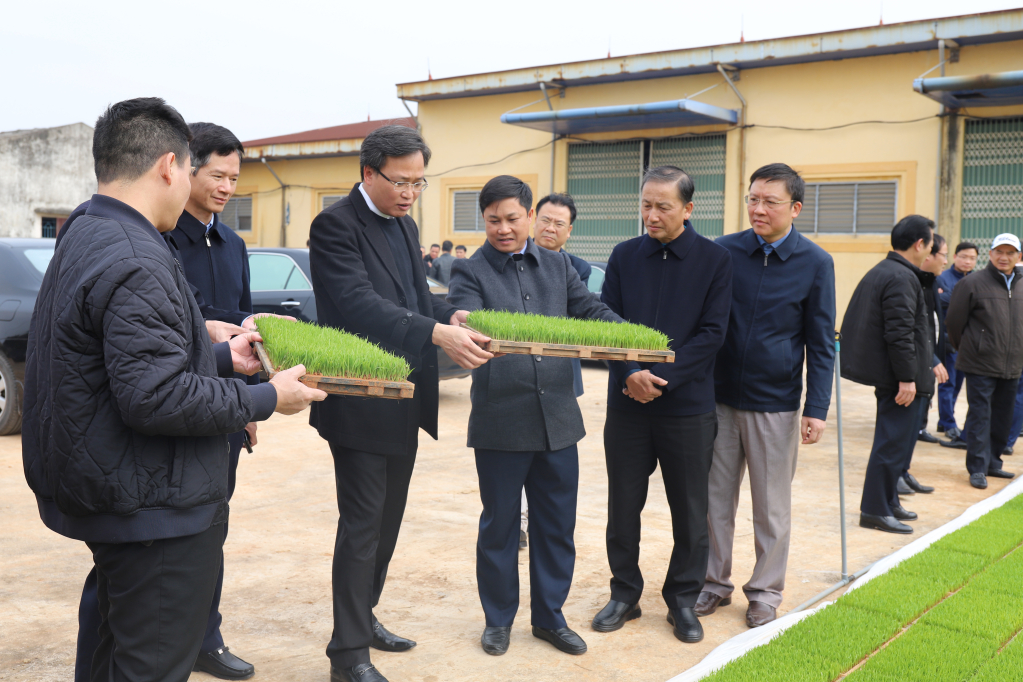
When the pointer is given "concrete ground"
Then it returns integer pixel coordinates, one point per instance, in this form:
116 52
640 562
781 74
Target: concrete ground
277 605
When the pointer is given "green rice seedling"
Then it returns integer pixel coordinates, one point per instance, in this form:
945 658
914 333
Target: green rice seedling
327 351
527 327
768 663
948 566
987 537
1006 665
1004 577
842 635
979 612
925 653
898 594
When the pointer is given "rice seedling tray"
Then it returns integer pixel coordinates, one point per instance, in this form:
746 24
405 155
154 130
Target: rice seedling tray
564 350
370 388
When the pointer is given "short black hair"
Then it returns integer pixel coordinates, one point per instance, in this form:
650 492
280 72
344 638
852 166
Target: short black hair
782 173
446 246
434 245
131 135
962 246
462 247
559 199
209 139
939 241
910 230
506 187
672 174
391 141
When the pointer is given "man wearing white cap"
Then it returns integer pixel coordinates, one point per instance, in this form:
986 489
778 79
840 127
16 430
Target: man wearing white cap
985 325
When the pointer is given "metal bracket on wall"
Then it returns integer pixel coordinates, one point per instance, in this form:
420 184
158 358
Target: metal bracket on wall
733 72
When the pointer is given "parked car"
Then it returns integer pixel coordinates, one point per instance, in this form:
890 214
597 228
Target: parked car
22 266
596 281
281 283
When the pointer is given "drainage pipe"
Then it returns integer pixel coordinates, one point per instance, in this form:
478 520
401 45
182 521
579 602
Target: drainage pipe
284 203
742 137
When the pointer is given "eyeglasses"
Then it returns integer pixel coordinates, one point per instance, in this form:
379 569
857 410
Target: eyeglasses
416 187
547 222
753 202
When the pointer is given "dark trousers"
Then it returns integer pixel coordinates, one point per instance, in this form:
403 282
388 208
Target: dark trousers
551 480
895 431
88 607
634 444
948 392
371 494
1017 418
988 420
153 602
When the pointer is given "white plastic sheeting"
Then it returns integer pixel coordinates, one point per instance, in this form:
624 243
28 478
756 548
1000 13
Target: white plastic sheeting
740 644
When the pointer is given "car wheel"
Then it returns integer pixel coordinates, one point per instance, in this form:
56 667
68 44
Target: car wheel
10 409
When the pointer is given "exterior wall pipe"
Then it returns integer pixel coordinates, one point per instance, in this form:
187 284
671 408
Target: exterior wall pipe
987 81
284 204
554 135
742 140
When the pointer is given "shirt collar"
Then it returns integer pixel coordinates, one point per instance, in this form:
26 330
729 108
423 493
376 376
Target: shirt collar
499 259
372 206
194 229
679 246
783 247
104 206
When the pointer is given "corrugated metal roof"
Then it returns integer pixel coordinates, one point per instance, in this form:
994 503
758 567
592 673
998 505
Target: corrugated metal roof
973 29
350 131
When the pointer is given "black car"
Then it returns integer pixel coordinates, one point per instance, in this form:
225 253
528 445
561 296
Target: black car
280 282
22 266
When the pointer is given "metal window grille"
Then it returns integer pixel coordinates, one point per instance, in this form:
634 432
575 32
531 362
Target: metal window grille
992 182
466 211
603 179
49 228
237 214
329 199
703 158
848 208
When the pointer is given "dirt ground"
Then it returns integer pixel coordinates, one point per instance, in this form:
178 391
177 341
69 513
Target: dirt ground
277 606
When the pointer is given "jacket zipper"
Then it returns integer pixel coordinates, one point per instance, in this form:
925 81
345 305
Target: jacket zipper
660 289
209 259
752 322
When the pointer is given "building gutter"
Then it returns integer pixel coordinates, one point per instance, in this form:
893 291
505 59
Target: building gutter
727 72
986 81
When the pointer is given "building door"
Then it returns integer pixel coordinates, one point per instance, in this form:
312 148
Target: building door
703 158
992 182
603 179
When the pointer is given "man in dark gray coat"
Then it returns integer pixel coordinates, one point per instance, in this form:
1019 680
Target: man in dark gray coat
525 421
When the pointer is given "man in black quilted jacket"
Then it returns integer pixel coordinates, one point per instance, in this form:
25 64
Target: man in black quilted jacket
126 416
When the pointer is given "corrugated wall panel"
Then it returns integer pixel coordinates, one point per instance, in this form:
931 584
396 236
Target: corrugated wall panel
603 179
703 158
992 182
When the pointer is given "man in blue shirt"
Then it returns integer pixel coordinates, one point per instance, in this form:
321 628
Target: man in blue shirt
948 391
783 308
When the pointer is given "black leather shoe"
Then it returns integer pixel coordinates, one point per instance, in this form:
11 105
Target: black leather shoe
495 640
223 664
941 429
902 487
523 541
563 639
1000 473
903 514
364 672
953 433
956 442
1006 451
888 524
926 436
388 641
613 616
687 625
916 485
978 481
708 603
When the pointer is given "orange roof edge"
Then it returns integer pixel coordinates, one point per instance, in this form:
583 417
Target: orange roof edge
342 132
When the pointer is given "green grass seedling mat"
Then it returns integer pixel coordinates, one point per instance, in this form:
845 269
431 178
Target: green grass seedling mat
335 361
529 334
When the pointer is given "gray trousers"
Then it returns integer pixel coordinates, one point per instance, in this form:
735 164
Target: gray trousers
766 442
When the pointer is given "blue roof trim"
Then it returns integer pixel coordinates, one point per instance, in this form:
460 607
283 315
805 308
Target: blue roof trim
672 114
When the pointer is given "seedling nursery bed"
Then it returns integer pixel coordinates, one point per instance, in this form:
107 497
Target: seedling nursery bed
952 612
336 362
528 334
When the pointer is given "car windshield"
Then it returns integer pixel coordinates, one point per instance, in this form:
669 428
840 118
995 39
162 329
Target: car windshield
596 281
39 258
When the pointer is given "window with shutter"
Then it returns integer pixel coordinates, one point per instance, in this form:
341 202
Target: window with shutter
466 211
848 208
329 199
237 214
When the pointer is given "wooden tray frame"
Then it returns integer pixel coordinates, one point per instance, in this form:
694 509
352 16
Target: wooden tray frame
367 388
562 350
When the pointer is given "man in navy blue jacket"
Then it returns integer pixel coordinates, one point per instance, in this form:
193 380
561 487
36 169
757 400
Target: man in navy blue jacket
948 391
783 309
676 281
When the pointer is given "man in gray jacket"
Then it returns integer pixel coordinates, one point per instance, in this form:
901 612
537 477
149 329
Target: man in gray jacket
525 421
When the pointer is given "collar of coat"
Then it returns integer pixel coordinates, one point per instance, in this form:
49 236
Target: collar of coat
784 250
194 229
892 255
499 259
108 207
378 241
1000 276
679 246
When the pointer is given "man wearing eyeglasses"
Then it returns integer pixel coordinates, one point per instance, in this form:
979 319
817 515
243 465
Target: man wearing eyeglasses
555 215
369 279
783 309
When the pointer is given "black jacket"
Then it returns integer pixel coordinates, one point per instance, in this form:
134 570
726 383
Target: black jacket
126 422
358 289
684 289
985 324
886 336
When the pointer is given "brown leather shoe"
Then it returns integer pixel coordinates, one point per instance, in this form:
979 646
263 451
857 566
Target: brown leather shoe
759 614
709 602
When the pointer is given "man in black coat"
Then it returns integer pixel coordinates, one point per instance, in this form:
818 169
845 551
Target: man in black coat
888 343
126 420
369 279
663 414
